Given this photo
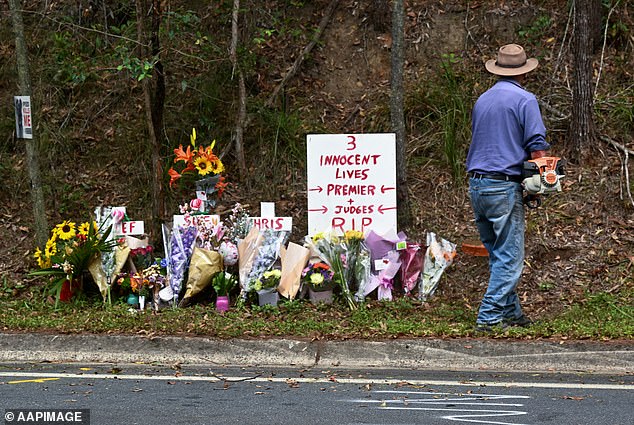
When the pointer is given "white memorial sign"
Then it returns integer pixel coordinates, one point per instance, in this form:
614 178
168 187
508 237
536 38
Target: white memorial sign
351 182
268 220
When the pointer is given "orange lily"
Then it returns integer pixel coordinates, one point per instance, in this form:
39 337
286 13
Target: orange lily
221 185
174 176
182 155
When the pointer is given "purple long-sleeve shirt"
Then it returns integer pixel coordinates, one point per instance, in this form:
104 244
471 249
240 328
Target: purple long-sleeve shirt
506 127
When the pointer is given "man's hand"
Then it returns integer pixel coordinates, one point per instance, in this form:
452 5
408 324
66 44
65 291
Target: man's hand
532 201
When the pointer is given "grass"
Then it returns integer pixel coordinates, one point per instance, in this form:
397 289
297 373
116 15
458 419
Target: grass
601 316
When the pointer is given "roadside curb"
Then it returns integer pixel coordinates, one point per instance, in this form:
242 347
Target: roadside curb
451 354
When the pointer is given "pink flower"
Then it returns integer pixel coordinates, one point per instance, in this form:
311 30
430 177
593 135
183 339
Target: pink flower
117 215
196 204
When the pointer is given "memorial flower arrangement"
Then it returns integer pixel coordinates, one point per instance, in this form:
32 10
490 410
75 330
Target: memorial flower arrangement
358 262
238 224
264 252
142 257
179 248
223 283
69 251
201 167
318 276
332 251
270 279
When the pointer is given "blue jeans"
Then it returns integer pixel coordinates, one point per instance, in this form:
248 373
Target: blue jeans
499 216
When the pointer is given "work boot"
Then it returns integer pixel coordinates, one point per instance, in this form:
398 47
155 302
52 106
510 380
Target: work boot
491 327
521 321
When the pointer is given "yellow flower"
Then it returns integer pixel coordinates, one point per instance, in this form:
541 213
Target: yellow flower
203 165
217 166
318 236
83 229
316 278
51 248
353 235
192 137
273 273
42 261
65 230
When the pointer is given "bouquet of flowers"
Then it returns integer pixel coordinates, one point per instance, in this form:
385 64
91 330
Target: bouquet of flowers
179 247
69 251
332 251
223 283
142 257
155 277
238 224
140 285
122 281
263 253
200 166
439 255
318 276
358 263
270 279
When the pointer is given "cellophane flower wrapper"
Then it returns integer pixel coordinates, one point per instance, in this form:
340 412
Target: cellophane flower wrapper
294 258
267 254
209 235
238 224
247 252
380 246
439 255
412 259
203 265
180 248
384 280
102 268
362 271
332 251
208 186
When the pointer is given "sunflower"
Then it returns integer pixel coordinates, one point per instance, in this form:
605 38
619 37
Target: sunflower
50 249
65 230
217 166
83 229
203 165
42 261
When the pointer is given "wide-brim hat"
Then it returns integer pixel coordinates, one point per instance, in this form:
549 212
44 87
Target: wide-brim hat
511 61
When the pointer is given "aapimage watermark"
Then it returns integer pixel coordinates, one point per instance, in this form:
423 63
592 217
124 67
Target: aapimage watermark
46 416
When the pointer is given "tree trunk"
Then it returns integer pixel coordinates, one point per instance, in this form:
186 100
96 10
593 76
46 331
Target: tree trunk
154 105
582 130
396 112
242 94
32 151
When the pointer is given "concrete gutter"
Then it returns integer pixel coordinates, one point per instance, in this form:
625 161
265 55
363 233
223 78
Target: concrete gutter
451 354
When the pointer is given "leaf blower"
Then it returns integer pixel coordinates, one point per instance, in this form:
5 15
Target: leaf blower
542 176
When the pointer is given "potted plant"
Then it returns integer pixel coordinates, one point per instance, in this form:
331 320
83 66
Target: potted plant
318 277
223 283
266 287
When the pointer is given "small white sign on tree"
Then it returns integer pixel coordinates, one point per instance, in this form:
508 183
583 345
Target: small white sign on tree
351 182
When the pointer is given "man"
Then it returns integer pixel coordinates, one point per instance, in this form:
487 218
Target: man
507 129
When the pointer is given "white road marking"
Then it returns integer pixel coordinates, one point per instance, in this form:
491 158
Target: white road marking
409 401
359 381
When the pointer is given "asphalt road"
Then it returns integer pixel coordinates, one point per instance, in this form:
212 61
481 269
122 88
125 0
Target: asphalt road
182 394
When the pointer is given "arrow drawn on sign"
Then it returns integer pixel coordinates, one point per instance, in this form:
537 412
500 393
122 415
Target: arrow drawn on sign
318 189
385 189
323 209
382 208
